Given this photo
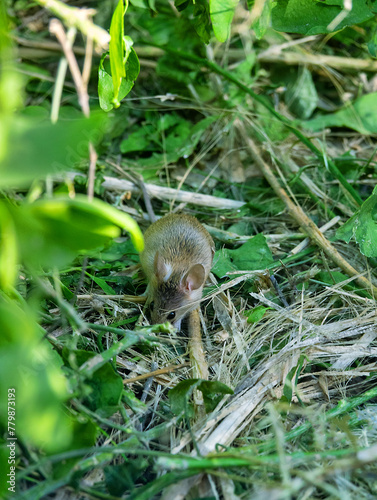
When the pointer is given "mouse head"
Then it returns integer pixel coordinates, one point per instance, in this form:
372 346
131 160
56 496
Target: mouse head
174 293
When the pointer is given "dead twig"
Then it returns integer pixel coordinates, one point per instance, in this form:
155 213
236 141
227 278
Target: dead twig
80 19
306 224
155 373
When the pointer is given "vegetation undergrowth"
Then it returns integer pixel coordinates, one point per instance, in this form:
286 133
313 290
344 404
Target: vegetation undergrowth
257 117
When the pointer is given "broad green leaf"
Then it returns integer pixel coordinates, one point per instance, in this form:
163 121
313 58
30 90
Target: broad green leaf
64 144
361 116
180 395
52 232
261 24
274 129
363 226
105 385
301 96
102 284
121 478
105 81
256 314
201 20
253 255
310 17
222 12
136 141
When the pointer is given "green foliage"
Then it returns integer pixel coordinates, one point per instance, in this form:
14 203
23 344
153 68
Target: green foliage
53 231
263 21
30 366
124 63
310 17
180 395
363 227
256 314
179 110
301 96
103 390
166 137
254 255
122 478
64 144
361 115
291 380
222 12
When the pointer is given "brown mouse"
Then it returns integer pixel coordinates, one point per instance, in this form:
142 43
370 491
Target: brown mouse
176 260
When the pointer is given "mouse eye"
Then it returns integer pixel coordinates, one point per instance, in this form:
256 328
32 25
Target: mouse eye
151 305
171 315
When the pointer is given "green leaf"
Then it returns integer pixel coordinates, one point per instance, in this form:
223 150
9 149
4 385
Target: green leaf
253 255
102 284
256 314
310 17
30 366
289 383
8 250
336 277
51 232
222 12
301 96
372 43
105 81
201 21
63 144
363 226
121 478
105 385
180 395
361 115
262 22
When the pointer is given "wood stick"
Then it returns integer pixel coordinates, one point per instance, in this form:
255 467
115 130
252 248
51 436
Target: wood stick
306 58
160 371
80 19
166 193
274 55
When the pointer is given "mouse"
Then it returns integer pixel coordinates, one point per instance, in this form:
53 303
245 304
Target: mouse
177 258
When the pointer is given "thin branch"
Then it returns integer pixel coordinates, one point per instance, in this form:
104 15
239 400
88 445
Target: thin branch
169 193
80 19
155 373
57 29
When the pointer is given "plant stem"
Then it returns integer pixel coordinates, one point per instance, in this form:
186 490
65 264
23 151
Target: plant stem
80 19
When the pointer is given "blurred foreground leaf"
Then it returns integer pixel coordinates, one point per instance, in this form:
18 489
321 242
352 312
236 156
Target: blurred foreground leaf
31 366
222 12
34 148
52 232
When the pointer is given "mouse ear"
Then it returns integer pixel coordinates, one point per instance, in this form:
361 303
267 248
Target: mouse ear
194 278
161 269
